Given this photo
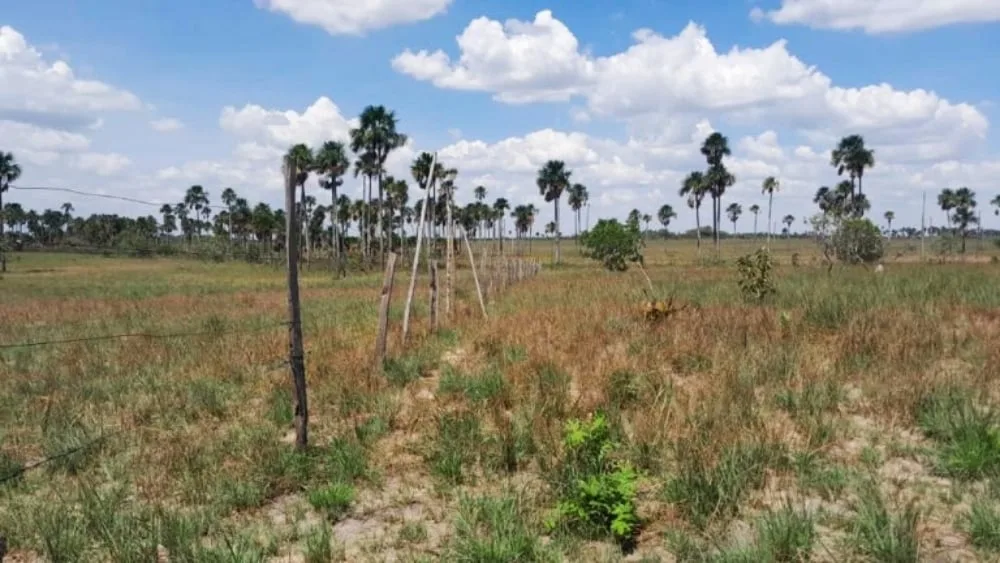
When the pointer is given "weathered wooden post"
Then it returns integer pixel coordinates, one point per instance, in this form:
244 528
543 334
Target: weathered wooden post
434 295
383 311
416 251
475 276
296 351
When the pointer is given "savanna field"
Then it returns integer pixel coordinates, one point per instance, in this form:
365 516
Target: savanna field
852 416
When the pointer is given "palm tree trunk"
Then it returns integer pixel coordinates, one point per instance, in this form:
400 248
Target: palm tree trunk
697 223
381 222
3 243
770 204
558 254
334 235
755 226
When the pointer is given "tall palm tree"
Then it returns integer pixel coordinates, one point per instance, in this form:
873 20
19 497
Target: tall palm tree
480 194
889 217
715 149
553 179
769 186
734 211
665 215
376 136
694 188
577 198
851 156
10 171
995 202
647 219
229 198
788 220
169 222
500 207
196 199
532 214
332 163
755 209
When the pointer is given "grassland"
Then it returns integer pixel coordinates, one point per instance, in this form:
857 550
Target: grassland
854 416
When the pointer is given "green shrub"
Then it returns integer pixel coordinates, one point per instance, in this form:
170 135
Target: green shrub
612 244
858 241
755 281
597 494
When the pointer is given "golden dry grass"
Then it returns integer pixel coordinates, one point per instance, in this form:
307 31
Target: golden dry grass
827 378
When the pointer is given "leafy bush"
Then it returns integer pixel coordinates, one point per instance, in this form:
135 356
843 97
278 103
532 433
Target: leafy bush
858 241
597 492
614 245
756 283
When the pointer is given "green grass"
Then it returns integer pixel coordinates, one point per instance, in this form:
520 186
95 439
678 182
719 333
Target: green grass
968 434
496 530
333 500
882 535
982 524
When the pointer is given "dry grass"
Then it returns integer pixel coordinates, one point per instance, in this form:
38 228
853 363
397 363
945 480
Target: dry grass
740 417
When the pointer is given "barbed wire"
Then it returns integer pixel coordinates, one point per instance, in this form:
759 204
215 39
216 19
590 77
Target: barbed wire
100 195
150 335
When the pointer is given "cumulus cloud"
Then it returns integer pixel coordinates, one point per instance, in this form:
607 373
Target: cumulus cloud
683 77
43 92
322 121
33 137
166 125
354 17
881 16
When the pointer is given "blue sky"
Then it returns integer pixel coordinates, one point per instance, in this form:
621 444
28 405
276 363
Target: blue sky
194 92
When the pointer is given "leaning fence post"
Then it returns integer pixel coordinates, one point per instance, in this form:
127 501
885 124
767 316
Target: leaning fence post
383 311
475 276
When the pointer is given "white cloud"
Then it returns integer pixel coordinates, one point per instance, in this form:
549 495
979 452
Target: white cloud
355 17
519 61
34 87
322 121
102 164
881 16
32 137
661 80
166 125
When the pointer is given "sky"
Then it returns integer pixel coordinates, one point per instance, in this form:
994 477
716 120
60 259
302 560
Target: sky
144 99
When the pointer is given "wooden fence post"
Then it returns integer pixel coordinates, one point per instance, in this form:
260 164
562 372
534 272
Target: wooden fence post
296 351
416 251
434 295
475 276
383 311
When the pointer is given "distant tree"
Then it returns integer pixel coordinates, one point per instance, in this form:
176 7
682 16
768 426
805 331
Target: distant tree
331 163
501 206
755 209
10 171
995 202
374 139
196 200
694 189
734 211
301 156
553 179
963 203
889 217
852 157
769 186
169 224
647 219
665 215
788 220
577 198
715 148
634 217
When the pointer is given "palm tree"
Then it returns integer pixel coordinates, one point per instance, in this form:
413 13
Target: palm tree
788 220
963 201
734 211
301 156
331 161
169 224
229 200
553 179
376 137
889 216
769 186
577 198
480 194
532 214
852 157
695 188
995 202
755 209
501 206
715 148
67 210
665 215
946 200
196 199
10 171
647 219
